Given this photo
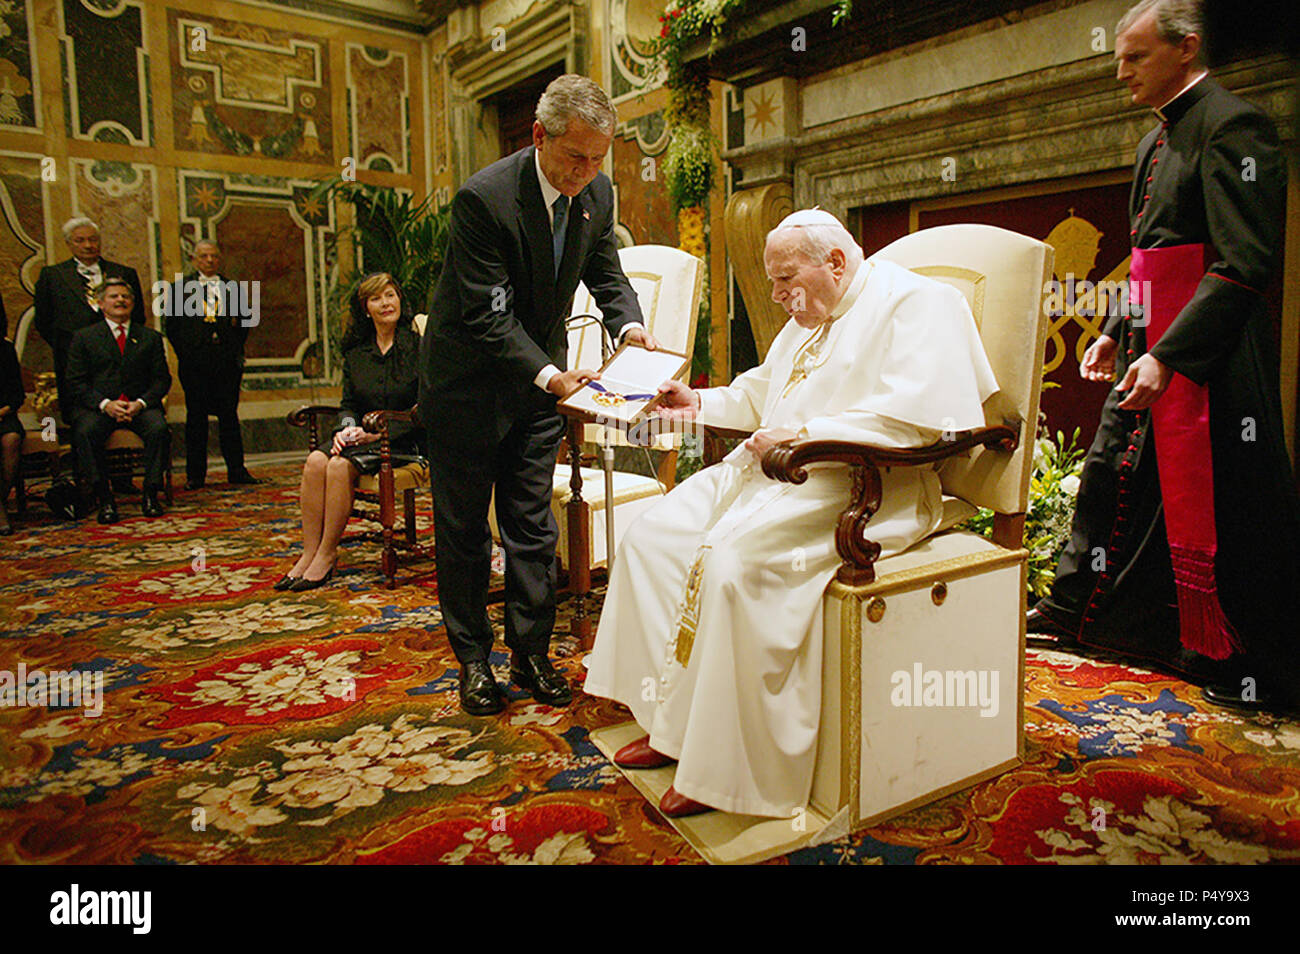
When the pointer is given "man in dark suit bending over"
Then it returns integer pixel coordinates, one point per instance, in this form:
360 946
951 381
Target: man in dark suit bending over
118 377
524 231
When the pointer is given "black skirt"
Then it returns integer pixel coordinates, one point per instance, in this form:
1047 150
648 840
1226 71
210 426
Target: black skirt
366 459
9 424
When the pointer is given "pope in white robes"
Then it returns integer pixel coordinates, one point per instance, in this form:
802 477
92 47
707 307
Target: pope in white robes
711 631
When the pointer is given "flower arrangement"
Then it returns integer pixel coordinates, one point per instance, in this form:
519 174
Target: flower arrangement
1053 487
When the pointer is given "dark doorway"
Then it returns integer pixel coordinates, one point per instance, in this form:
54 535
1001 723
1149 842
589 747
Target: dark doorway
516 105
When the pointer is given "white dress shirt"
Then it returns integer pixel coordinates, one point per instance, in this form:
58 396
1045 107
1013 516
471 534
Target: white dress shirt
549 195
113 326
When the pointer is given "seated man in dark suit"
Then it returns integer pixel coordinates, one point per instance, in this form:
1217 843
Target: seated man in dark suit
65 298
117 376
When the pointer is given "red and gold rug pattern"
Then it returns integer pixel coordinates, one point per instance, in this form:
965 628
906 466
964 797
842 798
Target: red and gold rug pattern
239 724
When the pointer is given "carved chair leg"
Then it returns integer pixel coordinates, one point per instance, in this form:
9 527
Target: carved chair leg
579 542
408 512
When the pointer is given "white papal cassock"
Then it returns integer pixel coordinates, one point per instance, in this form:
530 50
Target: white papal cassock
711 632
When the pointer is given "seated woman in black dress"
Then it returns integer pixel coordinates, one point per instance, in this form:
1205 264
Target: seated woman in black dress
11 432
381 371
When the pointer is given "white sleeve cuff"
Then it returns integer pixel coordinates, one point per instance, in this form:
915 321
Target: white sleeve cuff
622 332
544 376
711 405
103 404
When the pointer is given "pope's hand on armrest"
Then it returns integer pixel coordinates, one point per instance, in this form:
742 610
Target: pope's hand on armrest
760 441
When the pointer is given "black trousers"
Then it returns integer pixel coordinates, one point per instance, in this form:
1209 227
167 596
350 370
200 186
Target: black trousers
212 391
90 429
463 473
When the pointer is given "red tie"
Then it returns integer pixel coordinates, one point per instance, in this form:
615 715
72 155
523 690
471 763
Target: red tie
121 347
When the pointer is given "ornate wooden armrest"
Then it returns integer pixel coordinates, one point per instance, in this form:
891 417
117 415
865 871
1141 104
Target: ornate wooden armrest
309 417
376 422
788 462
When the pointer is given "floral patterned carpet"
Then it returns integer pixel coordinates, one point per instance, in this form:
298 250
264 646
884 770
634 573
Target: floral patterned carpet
244 725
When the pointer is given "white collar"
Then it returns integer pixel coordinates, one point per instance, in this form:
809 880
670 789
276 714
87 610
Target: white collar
113 325
549 192
854 289
1161 111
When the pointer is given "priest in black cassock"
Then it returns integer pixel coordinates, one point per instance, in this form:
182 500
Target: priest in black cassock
1185 547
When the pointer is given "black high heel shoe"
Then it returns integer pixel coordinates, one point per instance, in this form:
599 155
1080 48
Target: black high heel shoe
286 582
302 583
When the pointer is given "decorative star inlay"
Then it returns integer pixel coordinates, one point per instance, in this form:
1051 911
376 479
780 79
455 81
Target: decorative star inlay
310 207
204 196
764 112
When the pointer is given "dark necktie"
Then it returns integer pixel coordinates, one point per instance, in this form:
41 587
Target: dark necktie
121 347
561 207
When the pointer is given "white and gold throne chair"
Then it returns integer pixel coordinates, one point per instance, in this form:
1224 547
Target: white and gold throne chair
952 604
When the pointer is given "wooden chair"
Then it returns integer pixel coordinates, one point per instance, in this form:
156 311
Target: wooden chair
955 602
380 490
123 451
124 457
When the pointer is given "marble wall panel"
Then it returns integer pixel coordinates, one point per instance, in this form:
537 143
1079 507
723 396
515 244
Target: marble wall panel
107 69
19 84
379 107
246 90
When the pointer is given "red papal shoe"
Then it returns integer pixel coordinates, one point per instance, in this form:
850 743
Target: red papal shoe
676 805
639 755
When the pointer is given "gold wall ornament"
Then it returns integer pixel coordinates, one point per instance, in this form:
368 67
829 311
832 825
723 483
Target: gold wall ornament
938 592
45 401
1076 242
876 609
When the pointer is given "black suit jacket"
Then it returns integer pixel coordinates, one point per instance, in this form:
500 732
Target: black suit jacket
61 308
98 371
191 335
499 309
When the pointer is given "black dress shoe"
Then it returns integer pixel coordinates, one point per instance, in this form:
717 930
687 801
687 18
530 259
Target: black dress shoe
1043 632
1228 695
302 583
194 484
534 671
108 511
244 478
149 504
479 693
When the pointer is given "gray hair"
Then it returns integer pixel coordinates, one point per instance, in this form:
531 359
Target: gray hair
108 282
817 241
572 96
1175 19
202 242
73 224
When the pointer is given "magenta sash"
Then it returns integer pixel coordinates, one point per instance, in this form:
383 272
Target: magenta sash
1180 419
